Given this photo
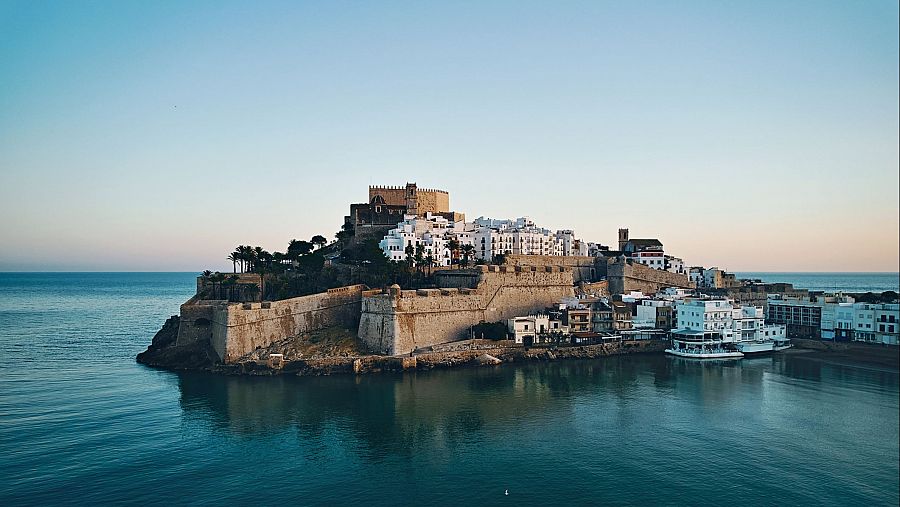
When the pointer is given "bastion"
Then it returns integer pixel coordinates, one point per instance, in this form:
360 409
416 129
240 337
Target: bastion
399 322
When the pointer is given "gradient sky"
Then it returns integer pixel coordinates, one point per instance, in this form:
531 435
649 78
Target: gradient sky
156 136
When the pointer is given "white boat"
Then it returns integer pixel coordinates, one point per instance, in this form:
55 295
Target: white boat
781 345
762 346
696 353
701 345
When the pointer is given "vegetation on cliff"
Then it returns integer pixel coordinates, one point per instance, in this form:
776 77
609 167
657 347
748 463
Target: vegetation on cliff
310 267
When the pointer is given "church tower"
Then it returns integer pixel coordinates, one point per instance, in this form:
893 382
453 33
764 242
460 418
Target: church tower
623 239
412 200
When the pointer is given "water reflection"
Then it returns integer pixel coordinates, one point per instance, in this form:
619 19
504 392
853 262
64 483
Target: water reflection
397 413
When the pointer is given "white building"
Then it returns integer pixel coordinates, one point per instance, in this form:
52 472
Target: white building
535 328
846 320
674 265
722 320
522 237
413 232
887 318
647 311
488 237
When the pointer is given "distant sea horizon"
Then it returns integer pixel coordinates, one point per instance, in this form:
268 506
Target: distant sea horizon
828 281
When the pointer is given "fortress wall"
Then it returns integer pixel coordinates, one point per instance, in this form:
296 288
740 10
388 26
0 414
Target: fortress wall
584 268
459 278
400 323
624 277
241 328
197 321
434 201
392 195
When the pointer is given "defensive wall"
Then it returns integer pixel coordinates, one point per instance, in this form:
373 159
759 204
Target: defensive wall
400 321
624 277
427 199
235 329
584 268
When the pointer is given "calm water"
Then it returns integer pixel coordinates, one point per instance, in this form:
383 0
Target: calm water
80 422
833 282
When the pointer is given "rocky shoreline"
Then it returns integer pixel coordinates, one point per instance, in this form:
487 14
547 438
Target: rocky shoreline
163 353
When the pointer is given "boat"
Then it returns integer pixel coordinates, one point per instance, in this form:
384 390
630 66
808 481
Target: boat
697 353
750 347
700 345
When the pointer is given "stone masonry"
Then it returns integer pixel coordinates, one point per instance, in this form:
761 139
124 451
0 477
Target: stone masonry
400 321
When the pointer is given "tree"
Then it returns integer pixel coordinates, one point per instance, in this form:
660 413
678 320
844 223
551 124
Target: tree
318 241
246 256
500 259
296 248
257 257
453 246
230 283
410 253
419 256
217 279
234 260
429 263
467 251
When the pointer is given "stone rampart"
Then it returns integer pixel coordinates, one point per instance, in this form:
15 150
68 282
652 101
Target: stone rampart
239 328
584 268
399 322
196 322
625 277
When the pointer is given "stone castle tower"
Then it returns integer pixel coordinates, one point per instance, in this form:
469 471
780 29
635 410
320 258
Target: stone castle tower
623 239
417 201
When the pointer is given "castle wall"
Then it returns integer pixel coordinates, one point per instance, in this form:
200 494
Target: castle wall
393 195
241 328
434 201
584 268
624 277
404 321
427 199
197 321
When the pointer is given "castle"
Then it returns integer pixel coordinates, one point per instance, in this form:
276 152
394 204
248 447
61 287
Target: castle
395 321
387 206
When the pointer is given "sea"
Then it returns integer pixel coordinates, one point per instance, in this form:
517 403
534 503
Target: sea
82 423
832 282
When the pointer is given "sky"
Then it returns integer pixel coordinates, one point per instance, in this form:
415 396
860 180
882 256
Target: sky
156 136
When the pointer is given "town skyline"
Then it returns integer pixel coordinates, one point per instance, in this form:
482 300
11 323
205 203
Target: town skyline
156 137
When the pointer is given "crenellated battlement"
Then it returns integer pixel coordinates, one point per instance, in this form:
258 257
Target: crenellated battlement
403 188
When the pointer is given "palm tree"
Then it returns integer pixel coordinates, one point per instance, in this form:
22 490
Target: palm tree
217 279
453 246
409 251
234 259
467 252
230 282
429 262
257 257
420 256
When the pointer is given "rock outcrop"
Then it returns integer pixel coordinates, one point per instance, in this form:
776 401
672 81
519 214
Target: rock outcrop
163 351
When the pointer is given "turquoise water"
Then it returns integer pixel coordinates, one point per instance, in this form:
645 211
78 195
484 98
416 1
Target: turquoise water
833 282
82 423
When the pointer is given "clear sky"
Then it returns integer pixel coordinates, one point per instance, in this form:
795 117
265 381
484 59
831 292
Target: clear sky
153 136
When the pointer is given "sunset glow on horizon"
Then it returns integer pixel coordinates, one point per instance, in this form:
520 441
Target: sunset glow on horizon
759 136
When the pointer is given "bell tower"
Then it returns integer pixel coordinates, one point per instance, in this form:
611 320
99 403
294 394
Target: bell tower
623 239
412 200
